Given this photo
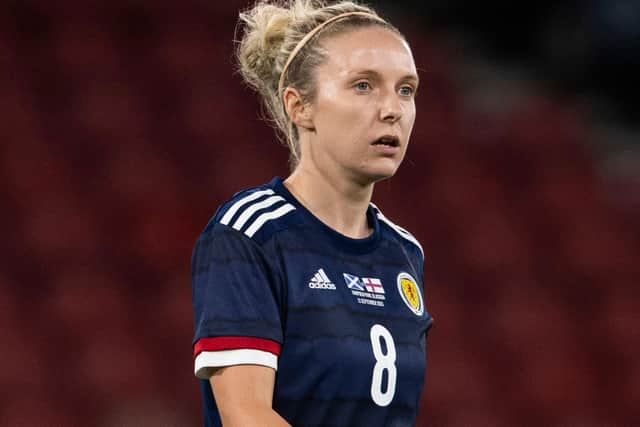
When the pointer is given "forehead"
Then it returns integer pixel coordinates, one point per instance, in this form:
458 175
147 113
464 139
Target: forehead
374 47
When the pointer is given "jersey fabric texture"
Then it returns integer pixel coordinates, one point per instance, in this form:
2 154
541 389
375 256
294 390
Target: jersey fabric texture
341 320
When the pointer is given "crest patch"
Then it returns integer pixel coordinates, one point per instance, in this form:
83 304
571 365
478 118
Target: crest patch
410 293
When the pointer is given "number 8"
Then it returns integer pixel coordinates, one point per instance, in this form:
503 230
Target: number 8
383 361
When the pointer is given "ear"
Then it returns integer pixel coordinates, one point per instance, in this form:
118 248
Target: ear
299 111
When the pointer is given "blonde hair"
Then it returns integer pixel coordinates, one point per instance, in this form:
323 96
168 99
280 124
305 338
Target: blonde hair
271 32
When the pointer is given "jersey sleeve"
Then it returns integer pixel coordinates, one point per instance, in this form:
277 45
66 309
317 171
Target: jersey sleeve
237 302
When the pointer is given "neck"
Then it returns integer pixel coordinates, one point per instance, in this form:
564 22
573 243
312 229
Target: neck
339 203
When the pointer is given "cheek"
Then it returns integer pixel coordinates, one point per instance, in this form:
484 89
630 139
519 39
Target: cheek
410 115
340 118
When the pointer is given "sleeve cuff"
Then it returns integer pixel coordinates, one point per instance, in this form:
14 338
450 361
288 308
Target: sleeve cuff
235 343
207 361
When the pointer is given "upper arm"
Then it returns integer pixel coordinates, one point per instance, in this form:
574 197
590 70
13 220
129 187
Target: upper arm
244 394
242 386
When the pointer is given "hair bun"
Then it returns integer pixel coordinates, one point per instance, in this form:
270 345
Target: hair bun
264 33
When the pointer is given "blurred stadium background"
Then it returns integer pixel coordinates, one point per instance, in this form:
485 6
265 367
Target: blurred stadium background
123 126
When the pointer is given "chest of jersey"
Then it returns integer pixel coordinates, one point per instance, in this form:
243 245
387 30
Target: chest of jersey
354 340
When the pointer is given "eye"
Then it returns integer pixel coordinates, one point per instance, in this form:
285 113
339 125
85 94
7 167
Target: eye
406 90
362 86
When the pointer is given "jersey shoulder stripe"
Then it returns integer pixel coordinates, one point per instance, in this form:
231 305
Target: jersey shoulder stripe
239 203
268 216
253 208
249 210
399 230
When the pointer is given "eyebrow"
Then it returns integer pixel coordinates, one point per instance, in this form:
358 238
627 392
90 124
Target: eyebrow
373 73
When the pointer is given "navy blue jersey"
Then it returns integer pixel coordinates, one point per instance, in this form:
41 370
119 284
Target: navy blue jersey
342 321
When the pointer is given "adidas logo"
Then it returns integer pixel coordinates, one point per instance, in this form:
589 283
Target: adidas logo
321 281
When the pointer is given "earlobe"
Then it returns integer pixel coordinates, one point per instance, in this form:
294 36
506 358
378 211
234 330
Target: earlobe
299 111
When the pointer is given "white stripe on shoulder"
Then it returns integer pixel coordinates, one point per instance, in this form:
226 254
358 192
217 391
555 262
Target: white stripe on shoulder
247 213
206 361
268 216
401 231
226 219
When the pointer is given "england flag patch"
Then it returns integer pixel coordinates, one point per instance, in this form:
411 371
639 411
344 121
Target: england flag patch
373 285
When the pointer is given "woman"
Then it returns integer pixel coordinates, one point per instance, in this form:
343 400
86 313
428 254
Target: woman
307 300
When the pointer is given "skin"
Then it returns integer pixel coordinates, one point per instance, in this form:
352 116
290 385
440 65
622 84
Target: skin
365 90
244 395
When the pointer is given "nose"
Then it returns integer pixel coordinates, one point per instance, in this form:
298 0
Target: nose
390 109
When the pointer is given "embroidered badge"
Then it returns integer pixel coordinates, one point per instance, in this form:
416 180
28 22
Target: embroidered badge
410 293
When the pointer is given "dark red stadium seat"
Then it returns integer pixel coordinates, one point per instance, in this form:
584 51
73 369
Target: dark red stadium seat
88 301
31 409
123 126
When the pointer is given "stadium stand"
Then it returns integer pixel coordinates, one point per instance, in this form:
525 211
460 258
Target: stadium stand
124 126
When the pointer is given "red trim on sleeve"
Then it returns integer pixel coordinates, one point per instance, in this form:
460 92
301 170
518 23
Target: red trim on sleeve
235 343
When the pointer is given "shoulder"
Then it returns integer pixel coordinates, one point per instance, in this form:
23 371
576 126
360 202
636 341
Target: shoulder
257 213
402 235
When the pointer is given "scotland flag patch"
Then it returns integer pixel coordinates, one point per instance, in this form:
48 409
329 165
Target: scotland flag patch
353 282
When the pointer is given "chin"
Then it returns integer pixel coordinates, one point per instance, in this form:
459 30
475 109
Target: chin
374 171
377 174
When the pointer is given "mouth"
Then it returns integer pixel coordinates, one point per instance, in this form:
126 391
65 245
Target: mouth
387 140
